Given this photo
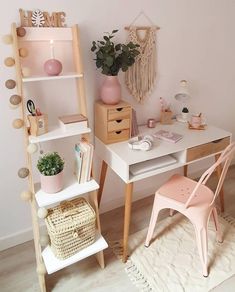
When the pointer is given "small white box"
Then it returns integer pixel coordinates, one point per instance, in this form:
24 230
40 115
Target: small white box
71 122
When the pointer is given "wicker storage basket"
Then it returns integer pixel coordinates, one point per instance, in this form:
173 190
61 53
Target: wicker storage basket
71 227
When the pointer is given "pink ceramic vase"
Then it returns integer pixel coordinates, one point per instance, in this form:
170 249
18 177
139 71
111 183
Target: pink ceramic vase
52 183
110 92
53 67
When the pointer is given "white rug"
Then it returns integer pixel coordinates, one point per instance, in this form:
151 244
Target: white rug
171 263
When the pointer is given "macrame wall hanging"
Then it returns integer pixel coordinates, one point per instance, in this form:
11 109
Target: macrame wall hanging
141 76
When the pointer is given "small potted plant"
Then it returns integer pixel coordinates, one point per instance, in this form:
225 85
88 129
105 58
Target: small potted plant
51 166
111 58
185 112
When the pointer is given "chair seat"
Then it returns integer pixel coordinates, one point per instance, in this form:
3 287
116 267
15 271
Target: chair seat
178 188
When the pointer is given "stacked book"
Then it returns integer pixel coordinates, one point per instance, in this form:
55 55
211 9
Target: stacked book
84 154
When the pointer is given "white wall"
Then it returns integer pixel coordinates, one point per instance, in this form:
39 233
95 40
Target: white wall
196 42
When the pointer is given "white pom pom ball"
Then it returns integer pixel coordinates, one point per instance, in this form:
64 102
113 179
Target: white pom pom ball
7 39
26 195
42 213
44 240
41 269
32 148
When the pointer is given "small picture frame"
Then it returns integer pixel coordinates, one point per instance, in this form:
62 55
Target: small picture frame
38 124
166 117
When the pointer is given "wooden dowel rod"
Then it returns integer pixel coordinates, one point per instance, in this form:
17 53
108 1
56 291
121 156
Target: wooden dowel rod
140 27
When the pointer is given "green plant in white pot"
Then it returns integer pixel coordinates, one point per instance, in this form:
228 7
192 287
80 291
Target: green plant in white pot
51 166
111 58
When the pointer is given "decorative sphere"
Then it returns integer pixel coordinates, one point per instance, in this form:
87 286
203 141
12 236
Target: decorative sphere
44 240
26 72
32 148
23 52
10 84
41 269
15 99
42 213
18 123
7 39
23 172
21 31
53 67
9 62
26 196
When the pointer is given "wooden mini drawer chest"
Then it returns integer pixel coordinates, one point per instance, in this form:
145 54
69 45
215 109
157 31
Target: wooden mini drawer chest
112 122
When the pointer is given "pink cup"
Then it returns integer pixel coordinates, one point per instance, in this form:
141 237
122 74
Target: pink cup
196 121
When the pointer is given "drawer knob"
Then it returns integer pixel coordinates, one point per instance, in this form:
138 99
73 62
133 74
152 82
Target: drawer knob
217 141
119 109
118 121
118 132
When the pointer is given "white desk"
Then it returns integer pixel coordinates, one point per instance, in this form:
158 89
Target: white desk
194 146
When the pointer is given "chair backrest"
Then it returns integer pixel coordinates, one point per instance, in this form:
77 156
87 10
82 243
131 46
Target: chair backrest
223 162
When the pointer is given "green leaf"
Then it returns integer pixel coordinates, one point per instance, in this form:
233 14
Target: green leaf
114 31
93 48
109 61
106 38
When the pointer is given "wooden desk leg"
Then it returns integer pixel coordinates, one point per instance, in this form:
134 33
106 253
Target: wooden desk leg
127 217
221 194
186 170
102 180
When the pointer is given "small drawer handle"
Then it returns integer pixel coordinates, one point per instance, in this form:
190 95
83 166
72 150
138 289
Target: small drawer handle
118 121
217 141
119 109
118 132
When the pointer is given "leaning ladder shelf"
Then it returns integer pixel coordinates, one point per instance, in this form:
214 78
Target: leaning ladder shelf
72 188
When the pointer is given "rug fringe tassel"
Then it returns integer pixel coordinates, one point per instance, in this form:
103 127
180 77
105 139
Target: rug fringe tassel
137 277
228 218
132 271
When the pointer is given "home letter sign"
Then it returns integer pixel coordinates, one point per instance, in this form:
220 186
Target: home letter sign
41 19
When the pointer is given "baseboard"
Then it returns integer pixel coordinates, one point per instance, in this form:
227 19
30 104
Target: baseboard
18 238
27 234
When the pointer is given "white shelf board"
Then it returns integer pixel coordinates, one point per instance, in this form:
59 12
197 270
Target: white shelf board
57 133
70 190
44 78
54 264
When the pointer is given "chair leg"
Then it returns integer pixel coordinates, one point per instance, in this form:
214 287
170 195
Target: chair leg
152 222
202 243
217 225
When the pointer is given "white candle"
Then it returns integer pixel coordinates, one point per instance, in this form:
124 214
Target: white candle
52 49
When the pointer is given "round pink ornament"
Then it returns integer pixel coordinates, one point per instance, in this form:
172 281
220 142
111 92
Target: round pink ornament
53 67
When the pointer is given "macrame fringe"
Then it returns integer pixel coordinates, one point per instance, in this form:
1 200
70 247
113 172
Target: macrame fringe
140 77
131 269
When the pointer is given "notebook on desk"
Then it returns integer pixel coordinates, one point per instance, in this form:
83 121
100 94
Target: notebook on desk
152 164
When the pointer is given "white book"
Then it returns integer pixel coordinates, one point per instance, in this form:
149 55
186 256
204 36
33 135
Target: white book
73 122
78 161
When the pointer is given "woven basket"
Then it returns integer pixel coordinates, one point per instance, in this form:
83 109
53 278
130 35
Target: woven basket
71 227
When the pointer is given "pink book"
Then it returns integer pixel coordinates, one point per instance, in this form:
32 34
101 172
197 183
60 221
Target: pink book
168 136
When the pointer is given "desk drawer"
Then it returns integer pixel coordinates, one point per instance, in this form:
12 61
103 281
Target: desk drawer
118 136
207 149
119 113
118 125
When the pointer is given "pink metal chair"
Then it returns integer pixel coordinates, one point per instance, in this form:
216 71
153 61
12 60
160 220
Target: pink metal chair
194 200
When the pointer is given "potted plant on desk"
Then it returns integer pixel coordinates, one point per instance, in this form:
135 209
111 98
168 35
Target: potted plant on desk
111 58
51 166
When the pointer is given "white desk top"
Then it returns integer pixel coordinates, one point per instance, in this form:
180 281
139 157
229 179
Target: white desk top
121 158
190 139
